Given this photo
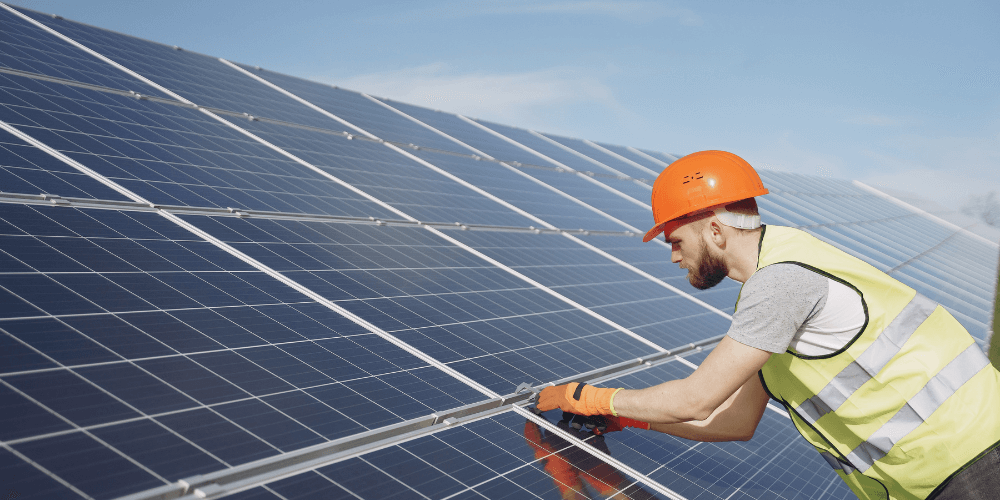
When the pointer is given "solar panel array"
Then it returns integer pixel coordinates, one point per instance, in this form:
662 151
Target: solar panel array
223 281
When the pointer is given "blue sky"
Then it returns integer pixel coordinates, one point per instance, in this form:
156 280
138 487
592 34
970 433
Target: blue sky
904 95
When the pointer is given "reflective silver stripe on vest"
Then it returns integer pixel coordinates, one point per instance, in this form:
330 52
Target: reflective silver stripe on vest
836 463
876 356
920 407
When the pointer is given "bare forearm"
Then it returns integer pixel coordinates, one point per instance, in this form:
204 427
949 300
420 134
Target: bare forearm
734 420
729 367
666 403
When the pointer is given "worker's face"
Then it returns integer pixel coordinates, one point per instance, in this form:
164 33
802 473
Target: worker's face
690 251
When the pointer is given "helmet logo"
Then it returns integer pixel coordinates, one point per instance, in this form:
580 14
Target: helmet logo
692 177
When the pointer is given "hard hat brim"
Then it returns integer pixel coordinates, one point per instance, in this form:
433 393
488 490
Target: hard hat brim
654 232
666 227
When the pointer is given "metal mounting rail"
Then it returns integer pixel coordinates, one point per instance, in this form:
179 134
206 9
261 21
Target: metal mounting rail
52 199
264 119
250 475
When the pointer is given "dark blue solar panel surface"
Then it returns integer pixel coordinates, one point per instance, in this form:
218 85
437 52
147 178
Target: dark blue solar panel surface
28 170
636 190
135 354
650 168
610 160
620 207
402 182
486 323
124 335
169 154
199 78
360 111
504 456
27 47
608 202
654 258
625 297
522 191
546 148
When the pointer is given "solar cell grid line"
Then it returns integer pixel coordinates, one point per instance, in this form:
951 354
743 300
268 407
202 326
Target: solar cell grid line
664 160
171 155
94 36
67 358
602 455
467 313
268 470
655 260
643 176
502 456
545 206
753 469
908 206
606 287
175 71
400 181
954 258
441 234
574 161
510 183
304 163
418 158
620 262
531 142
608 198
604 157
569 186
26 169
357 109
633 156
28 47
658 155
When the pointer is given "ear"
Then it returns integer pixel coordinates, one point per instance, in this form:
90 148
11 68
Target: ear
715 233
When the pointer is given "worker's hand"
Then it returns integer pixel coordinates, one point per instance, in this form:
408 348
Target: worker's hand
602 424
614 424
578 398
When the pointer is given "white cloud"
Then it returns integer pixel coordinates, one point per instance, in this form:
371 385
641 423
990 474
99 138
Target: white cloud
517 98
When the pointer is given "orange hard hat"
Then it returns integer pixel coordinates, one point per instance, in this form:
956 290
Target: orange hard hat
700 181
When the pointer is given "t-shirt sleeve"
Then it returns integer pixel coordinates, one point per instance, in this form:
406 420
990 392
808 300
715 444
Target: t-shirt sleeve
774 303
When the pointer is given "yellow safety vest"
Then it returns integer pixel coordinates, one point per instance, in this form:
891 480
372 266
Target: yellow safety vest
909 402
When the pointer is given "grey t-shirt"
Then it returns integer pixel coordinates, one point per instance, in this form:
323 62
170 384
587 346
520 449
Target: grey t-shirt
774 305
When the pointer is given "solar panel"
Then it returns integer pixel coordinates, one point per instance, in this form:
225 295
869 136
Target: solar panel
169 154
499 456
223 281
610 161
642 161
638 191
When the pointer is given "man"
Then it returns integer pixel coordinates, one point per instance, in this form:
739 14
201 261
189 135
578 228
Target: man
887 385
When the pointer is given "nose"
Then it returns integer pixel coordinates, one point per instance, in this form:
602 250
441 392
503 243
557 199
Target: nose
675 256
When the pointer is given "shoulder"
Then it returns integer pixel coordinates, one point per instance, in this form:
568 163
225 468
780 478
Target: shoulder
785 276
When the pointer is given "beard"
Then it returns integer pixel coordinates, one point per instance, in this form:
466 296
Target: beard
710 271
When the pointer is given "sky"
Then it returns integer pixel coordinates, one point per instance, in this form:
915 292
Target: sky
903 95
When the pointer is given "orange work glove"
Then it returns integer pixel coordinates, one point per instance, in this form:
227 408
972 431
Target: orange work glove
579 398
